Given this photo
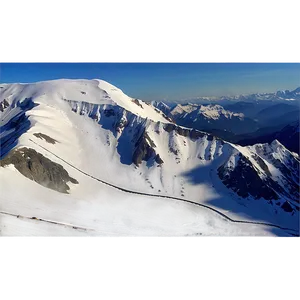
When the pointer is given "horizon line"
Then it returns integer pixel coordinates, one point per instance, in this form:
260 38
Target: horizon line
181 99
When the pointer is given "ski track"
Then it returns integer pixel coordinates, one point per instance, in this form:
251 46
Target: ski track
154 195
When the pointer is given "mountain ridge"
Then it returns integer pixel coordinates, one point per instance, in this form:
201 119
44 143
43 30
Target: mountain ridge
123 139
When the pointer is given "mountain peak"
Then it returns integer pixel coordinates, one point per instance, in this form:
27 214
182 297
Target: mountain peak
276 143
88 92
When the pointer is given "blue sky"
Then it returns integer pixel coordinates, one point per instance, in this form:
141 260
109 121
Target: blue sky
169 81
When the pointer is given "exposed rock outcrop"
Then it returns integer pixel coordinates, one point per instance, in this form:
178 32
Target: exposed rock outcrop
168 118
245 181
121 123
181 131
38 168
145 150
287 207
136 101
158 159
45 137
195 134
188 132
262 164
3 105
109 112
169 127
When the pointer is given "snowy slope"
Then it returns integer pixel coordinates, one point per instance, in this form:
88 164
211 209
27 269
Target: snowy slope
100 133
107 212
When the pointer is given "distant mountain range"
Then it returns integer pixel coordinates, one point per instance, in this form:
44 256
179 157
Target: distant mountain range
241 119
209 117
275 96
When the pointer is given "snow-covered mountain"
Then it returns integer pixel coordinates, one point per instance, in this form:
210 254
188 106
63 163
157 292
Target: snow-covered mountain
289 136
81 157
161 106
209 117
238 122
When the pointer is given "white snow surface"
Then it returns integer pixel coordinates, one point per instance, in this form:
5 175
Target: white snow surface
208 111
73 112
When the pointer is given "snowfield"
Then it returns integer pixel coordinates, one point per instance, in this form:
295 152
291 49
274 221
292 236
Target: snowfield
107 212
97 132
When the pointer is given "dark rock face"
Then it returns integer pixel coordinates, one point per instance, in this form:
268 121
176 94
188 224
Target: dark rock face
290 184
136 101
169 127
45 137
174 151
40 169
287 207
145 150
120 124
289 167
182 131
158 159
195 134
168 118
94 117
3 104
262 164
109 112
245 181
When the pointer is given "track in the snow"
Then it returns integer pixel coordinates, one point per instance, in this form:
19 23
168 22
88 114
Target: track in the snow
45 220
169 197
73 226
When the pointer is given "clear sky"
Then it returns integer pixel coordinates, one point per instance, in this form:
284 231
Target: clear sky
166 81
